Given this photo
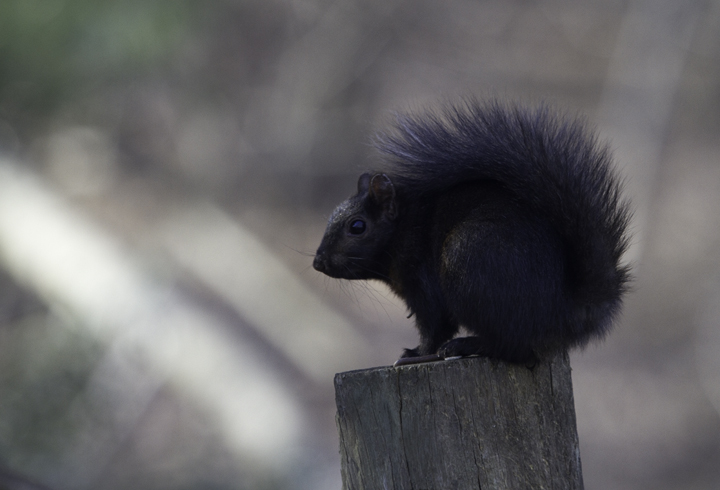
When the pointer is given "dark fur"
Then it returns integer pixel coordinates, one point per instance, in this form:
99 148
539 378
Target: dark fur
505 221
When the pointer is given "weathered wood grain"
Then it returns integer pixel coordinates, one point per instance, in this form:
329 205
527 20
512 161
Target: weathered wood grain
464 424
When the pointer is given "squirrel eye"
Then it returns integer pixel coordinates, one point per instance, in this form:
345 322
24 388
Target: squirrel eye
357 227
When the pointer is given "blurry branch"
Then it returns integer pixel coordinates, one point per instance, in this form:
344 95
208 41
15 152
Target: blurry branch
241 270
707 346
10 480
640 92
71 264
227 259
321 64
106 414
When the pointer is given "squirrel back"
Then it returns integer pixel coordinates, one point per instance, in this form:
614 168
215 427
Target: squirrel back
506 221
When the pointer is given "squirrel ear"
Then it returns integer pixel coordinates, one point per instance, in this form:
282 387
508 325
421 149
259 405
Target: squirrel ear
364 183
382 192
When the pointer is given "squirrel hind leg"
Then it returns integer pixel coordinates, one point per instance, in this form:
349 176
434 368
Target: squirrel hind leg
477 346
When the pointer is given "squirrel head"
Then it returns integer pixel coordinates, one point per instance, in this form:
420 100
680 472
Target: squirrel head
359 231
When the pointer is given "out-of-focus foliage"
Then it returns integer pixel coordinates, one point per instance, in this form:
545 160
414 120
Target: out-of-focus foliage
51 52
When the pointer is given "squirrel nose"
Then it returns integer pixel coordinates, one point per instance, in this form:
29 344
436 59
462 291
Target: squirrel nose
319 263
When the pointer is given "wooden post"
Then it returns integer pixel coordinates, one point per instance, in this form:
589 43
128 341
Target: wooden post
469 423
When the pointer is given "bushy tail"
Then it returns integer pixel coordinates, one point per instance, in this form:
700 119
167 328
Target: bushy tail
554 165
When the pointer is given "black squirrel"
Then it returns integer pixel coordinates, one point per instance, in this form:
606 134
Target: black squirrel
503 220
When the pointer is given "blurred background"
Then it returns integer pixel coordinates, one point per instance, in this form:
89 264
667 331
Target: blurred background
166 172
